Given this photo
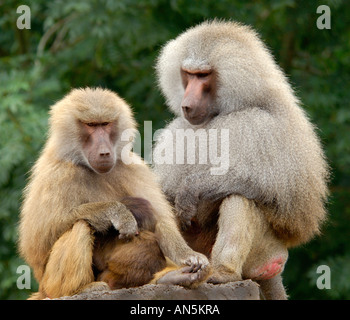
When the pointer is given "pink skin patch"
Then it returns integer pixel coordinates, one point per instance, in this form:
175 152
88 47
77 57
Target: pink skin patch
269 270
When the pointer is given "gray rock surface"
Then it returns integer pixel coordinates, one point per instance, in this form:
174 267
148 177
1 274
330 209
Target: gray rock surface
240 290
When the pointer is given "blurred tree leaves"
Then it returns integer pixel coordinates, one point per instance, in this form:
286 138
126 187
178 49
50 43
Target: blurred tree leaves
114 44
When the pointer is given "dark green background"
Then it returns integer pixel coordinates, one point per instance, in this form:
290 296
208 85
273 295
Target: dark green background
114 44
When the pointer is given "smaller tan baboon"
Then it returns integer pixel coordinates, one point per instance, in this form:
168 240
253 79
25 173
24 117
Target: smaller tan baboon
75 191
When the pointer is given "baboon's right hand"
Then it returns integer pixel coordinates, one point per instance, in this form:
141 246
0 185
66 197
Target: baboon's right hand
124 221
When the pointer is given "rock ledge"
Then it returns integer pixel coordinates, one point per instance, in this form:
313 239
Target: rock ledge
239 290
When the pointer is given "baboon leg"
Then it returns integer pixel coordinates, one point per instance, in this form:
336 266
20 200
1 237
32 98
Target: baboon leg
69 267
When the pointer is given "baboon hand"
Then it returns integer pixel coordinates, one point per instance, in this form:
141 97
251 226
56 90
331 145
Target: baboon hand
198 263
128 230
186 276
123 220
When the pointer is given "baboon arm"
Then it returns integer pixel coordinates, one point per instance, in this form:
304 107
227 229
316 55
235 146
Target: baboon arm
171 241
37 239
102 215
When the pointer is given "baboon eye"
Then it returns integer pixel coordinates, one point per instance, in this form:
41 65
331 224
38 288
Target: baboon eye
203 75
95 124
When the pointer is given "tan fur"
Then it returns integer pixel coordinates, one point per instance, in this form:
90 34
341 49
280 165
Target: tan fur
276 170
65 261
133 263
186 276
245 242
171 266
125 264
63 190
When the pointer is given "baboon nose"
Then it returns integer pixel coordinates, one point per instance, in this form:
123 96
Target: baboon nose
186 110
105 154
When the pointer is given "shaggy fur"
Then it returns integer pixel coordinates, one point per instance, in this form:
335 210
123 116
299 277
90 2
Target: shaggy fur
275 158
63 190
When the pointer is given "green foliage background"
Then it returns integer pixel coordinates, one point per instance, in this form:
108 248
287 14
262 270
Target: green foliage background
114 44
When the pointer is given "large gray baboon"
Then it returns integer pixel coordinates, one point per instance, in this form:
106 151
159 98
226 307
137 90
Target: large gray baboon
220 76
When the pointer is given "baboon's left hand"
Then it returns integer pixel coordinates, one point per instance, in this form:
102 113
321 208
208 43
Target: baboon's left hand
187 277
198 262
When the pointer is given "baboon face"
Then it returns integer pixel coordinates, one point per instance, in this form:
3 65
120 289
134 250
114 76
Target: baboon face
86 128
98 140
198 100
